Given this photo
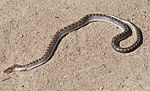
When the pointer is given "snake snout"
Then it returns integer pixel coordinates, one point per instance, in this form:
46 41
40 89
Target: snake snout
8 70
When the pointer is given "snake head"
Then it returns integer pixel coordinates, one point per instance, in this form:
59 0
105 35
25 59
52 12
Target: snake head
10 69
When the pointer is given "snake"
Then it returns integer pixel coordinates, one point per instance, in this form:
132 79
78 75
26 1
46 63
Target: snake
126 26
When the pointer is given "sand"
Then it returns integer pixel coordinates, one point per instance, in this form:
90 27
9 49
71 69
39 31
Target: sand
84 60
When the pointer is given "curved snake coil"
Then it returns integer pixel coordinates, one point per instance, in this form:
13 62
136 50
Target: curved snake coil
127 26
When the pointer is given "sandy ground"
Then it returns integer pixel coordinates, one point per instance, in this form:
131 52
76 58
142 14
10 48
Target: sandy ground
84 60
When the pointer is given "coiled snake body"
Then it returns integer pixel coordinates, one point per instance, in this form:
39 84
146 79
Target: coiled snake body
127 26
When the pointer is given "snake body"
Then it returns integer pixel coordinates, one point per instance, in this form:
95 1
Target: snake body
127 26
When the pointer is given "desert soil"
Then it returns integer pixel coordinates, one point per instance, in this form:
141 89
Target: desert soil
84 60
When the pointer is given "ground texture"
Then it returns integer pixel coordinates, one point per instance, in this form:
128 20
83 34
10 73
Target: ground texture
84 60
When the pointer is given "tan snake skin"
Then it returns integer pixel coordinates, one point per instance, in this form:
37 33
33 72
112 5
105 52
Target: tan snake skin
124 25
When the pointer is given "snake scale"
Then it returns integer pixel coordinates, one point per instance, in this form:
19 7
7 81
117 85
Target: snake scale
127 26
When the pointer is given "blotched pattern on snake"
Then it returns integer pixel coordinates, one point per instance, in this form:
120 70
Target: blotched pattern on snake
127 26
